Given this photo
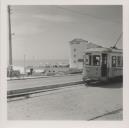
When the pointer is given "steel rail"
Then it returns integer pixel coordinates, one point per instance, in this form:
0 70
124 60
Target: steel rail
106 114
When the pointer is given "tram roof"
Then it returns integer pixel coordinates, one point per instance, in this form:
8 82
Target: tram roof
102 49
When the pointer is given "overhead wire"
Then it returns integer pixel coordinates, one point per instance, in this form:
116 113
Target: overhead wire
85 14
92 16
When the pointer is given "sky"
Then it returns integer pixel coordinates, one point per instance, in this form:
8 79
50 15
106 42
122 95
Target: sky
44 31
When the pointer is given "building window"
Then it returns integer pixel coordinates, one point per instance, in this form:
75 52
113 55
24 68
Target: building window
74 61
74 49
96 60
74 56
113 61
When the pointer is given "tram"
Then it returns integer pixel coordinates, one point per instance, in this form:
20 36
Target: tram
102 64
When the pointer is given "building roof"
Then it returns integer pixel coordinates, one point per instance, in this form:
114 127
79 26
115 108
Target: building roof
89 44
78 40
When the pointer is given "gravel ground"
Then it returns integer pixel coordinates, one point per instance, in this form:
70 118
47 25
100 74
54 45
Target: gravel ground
70 103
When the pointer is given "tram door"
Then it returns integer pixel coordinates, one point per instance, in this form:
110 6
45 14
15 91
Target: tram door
104 65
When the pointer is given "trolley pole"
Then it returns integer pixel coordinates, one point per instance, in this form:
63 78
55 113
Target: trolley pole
10 44
117 40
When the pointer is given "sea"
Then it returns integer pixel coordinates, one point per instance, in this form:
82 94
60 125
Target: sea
39 62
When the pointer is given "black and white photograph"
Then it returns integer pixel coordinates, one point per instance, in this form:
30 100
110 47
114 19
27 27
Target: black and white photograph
65 62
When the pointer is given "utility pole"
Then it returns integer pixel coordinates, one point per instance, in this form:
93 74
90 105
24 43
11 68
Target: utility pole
24 64
10 44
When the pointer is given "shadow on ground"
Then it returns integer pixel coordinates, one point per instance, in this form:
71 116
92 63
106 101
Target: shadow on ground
113 83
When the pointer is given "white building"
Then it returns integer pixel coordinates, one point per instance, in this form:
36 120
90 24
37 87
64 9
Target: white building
77 49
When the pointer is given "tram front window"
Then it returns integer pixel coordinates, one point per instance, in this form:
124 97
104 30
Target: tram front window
88 59
96 60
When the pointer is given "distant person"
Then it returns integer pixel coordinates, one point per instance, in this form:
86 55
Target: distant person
31 71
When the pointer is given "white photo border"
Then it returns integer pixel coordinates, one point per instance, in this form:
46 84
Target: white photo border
62 124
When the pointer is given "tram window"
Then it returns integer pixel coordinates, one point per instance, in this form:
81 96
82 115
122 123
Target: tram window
96 60
88 59
119 61
113 61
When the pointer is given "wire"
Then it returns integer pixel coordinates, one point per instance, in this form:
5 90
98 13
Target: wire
84 14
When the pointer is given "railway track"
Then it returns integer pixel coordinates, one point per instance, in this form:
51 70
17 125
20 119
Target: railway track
106 114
